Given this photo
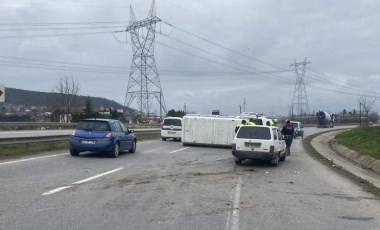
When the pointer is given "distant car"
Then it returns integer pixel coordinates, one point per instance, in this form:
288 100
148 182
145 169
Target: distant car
298 129
102 135
171 128
259 142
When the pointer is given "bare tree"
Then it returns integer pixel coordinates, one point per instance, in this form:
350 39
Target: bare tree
366 103
66 94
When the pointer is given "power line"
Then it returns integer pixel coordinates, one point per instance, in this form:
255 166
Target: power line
224 47
86 25
258 72
63 23
56 35
44 64
60 28
322 78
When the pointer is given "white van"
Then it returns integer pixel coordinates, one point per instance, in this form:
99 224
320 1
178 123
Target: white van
209 130
259 142
298 131
171 128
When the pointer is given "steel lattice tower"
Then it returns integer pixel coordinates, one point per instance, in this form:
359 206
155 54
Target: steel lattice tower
144 84
300 105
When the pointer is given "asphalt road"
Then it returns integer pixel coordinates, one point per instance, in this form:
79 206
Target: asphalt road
166 185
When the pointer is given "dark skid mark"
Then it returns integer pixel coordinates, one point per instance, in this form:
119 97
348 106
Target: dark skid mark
340 196
248 170
209 173
151 179
356 218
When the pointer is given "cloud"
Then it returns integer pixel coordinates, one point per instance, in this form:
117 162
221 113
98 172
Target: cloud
339 38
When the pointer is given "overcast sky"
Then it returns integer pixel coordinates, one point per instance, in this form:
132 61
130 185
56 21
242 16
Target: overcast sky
224 45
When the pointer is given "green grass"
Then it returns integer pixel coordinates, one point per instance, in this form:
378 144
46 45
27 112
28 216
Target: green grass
364 140
17 150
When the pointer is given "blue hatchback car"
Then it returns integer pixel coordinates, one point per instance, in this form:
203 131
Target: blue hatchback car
102 135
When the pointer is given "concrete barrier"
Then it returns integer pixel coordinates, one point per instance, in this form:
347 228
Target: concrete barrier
364 161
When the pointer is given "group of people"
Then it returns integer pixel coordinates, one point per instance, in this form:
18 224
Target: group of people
287 131
244 122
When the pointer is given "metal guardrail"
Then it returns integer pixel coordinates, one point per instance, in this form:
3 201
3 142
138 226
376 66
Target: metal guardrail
7 126
34 139
25 140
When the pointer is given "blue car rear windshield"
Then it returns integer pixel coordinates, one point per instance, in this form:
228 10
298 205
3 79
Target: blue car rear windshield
94 125
254 132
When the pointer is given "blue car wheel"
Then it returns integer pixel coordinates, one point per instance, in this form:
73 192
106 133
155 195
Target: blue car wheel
115 151
133 149
74 152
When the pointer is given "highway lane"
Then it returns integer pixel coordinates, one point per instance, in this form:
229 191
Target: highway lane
166 185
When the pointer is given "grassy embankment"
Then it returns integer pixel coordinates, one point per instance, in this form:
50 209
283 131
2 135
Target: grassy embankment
17 150
364 140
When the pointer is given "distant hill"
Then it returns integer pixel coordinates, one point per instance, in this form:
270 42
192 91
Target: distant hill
26 97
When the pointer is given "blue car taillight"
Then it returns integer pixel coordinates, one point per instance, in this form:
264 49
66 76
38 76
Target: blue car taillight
108 135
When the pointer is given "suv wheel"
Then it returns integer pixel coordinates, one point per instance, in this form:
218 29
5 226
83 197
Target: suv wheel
283 157
164 139
238 161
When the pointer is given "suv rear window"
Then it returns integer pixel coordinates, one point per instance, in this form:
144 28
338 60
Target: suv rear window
174 122
94 125
295 124
254 132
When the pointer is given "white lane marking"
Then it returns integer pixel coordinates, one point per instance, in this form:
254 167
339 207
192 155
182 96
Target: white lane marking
97 176
233 214
80 182
179 150
30 159
56 190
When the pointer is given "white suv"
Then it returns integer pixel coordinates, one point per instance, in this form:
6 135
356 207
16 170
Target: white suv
259 142
171 128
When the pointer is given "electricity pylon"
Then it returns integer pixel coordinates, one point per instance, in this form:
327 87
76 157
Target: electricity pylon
300 105
144 84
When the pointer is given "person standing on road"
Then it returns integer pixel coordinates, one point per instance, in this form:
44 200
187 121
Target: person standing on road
243 122
288 132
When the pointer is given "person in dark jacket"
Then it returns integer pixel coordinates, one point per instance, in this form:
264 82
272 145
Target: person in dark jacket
243 122
288 132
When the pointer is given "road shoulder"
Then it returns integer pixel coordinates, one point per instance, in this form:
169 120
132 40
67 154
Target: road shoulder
323 145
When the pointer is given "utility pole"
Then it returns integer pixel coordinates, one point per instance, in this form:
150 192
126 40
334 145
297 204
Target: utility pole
144 84
244 103
299 101
360 114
